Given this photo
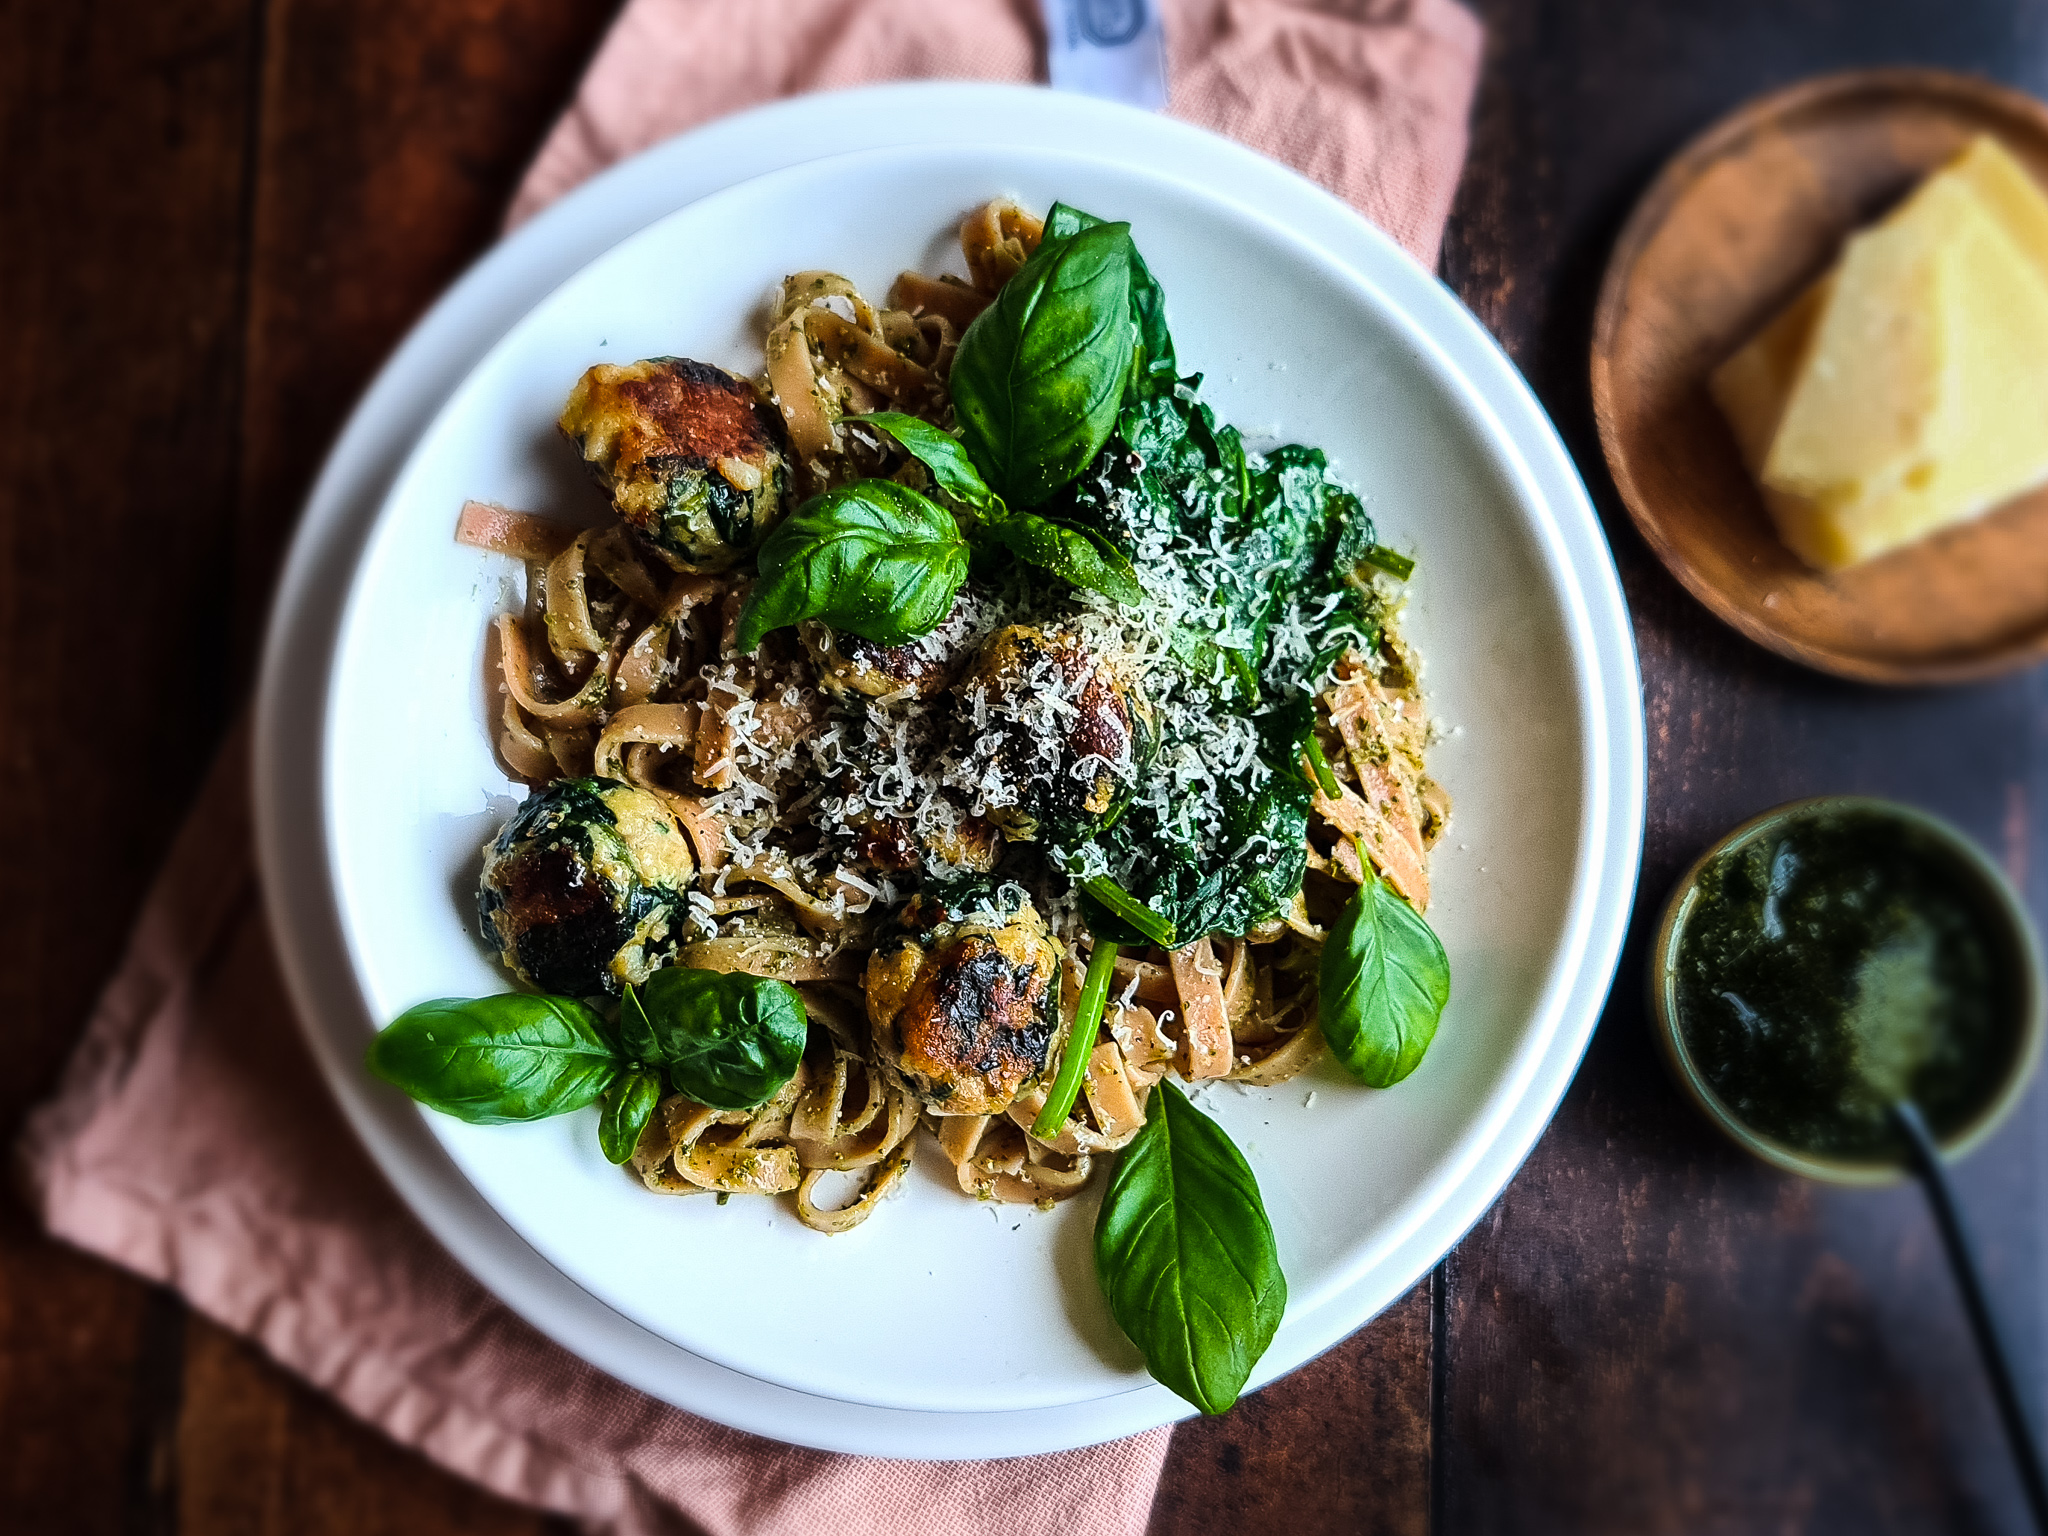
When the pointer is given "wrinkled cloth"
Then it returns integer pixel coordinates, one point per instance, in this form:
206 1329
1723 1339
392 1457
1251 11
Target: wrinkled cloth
192 1140
1367 97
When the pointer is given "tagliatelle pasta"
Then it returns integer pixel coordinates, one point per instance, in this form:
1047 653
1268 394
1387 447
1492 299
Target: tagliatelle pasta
908 832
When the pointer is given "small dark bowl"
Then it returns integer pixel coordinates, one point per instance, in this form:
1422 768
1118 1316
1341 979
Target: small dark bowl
2020 945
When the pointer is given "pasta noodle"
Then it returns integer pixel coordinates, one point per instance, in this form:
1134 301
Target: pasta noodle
624 665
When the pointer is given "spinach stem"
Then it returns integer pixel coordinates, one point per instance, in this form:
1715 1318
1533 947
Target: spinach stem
1325 779
1133 911
1393 562
1081 1043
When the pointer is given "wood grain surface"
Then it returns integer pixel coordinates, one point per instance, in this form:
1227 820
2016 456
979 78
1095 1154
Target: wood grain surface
217 216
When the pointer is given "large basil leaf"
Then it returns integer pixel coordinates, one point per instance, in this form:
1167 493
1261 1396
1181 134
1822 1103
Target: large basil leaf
1148 299
727 1040
489 1060
1185 1254
873 558
1385 980
627 1109
940 452
1040 373
1079 555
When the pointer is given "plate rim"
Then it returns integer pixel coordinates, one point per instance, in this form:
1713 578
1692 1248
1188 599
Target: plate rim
1651 209
1418 1203
644 184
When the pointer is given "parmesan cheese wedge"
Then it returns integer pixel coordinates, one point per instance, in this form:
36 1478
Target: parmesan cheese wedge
1908 388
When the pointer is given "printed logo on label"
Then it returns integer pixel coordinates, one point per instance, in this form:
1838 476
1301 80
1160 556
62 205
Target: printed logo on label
1114 49
1111 23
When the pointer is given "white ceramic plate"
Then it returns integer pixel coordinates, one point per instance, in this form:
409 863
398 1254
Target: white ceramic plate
1528 663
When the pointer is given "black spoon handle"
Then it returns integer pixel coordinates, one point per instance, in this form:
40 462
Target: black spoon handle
1962 1258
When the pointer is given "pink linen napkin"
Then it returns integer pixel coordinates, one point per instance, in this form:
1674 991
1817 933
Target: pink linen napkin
1367 97
192 1140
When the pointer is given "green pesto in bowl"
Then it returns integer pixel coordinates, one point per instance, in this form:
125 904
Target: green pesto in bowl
1835 957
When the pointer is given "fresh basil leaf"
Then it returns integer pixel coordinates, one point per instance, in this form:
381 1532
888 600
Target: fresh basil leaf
627 1109
1079 555
727 1040
1385 980
873 558
489 1060
1040 374
940 452
636 1031
1185 1254
1148 299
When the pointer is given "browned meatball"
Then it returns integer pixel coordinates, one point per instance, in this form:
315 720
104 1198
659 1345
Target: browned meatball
692 456
967 1014
847 664
1061 733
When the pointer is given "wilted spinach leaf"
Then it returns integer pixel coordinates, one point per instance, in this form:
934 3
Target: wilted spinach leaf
873 558
1185 1254
1385 981
1040 374
726 1039
491 1060
1250 876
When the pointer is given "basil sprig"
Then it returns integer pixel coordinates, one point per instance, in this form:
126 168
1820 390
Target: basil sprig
1040 374
727 1040
1385 981
873 558
627 1109
1079 555
938 451
1185 1254
494 1060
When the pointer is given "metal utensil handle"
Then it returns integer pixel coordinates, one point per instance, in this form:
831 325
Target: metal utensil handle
1962 1259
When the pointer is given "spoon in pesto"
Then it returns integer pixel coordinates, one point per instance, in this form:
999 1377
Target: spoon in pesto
1932 1173
1851 990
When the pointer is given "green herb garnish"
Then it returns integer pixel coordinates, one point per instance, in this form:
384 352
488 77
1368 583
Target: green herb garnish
1385 982
873 558
727 1040
1041 372
1185 1254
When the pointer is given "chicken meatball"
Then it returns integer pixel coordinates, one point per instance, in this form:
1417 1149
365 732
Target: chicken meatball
847 665
582 892
1060 734
693 458
967 1011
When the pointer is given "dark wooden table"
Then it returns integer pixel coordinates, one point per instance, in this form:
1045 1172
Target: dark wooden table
216 216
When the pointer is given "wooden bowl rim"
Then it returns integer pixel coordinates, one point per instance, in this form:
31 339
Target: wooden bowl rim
1651 209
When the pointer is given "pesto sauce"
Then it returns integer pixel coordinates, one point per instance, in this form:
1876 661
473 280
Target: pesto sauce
1835 964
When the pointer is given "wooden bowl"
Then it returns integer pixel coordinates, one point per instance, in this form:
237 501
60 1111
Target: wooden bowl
1738 224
